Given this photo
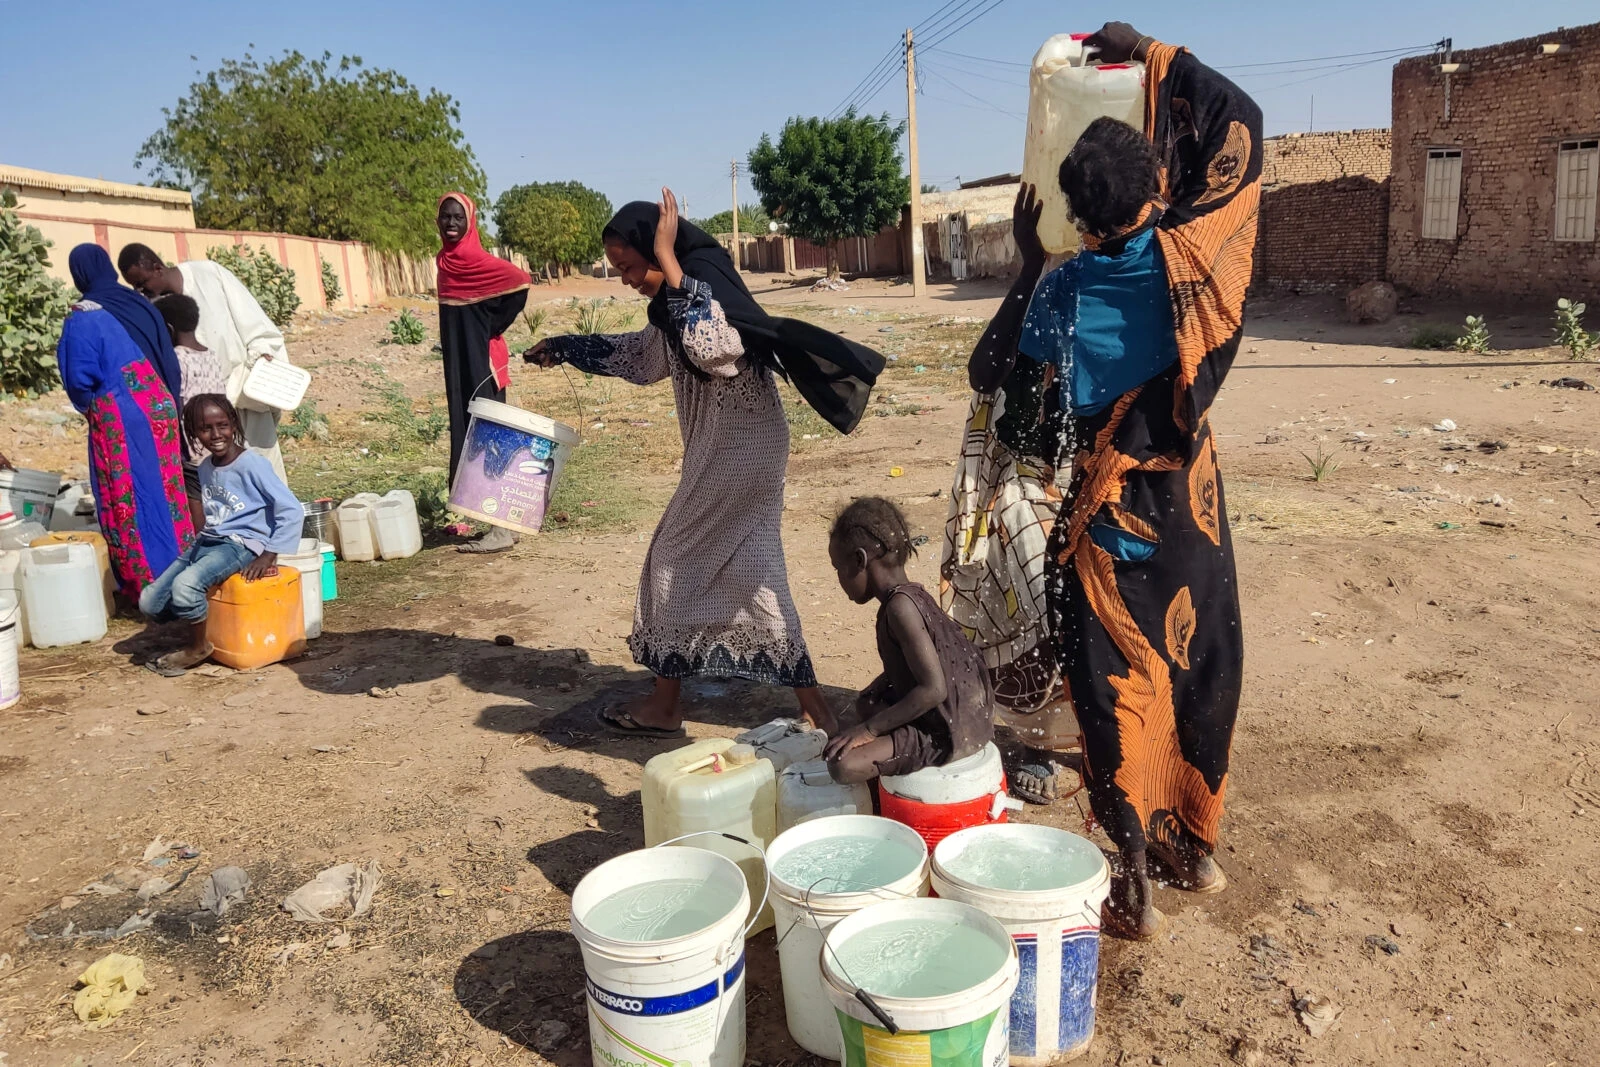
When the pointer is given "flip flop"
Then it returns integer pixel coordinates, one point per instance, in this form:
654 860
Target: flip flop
1021 783
155 667
622 724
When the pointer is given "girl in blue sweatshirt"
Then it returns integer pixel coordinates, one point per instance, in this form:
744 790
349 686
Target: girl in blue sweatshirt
251 518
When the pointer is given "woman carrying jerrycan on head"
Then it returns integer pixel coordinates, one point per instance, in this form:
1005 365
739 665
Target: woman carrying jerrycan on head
1141 328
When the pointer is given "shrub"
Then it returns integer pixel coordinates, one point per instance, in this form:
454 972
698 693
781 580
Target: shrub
1434 337
1570 333
331 289
407 428
32 306
270 282
1475 336
406 329
306 421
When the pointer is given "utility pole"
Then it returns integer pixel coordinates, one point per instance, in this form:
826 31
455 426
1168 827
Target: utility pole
919 276
733 174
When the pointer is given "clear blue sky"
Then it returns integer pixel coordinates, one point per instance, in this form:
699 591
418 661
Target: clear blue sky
626 95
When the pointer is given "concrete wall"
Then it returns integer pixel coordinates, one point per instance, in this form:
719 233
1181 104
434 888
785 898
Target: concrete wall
70 197
1509 110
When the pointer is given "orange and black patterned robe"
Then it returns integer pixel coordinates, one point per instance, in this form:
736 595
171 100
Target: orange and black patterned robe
1152 650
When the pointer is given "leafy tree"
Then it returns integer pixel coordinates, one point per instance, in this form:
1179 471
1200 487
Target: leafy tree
320 147
828 179
32 306
753 218
567 246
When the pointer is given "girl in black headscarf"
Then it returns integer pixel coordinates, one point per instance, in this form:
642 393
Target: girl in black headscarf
714 596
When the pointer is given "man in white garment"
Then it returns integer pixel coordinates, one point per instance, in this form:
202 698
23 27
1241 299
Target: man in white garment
232 324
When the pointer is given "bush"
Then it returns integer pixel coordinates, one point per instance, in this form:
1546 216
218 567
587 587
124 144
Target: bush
1475 337
306 421
270 282
331 289
32 306
1434 337
1570 333
407 429
406 329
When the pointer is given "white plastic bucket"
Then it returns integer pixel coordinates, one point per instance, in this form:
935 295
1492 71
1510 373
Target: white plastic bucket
509 465
308 561
963 1029
803 914
10 640
676 1002
30 494
1056 932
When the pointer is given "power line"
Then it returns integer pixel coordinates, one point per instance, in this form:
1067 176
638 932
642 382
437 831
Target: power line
867 95
1381 58
937 41
1320 59
1331 73
990 104
936 23
980 59
887 58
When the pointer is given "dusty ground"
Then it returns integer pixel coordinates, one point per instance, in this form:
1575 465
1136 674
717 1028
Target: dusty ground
1410 829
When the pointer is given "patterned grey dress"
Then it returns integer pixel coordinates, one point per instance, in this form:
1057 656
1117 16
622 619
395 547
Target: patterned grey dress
714 596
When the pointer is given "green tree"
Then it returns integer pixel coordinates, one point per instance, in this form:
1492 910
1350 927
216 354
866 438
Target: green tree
578 248
828 179
32 306
753 218
548 229
320 147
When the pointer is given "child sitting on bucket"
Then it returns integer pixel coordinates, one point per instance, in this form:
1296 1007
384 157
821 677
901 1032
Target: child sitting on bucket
932 704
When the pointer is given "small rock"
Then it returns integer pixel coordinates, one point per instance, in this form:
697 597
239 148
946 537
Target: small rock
504 640
564 687
549 1035
239 700
593 824
1246 1051
1382 944
340 940
379 692
438 698
444 891
886 329
68 903
493 915
152 709
1374 302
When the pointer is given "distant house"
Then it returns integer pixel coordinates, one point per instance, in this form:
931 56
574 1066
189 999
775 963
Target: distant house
1496 170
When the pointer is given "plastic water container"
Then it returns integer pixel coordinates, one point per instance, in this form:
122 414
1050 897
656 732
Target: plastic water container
806 791
330 575
394 518
308 561
10 641
783 742
275 384
938 801
17 533
1045 886
102 554
358 536
954 948
64 595
31 495
11 582
719 786
254 624
1067 90
806 909
681 997
74 510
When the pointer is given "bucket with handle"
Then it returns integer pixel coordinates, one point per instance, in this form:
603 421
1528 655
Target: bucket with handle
509 465
1045 886
662 935
10 641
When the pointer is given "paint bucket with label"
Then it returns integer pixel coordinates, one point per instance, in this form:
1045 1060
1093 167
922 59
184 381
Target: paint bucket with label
509 466
1045 887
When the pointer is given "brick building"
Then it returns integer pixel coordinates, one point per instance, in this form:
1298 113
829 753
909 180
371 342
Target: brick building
1324 210
1496 170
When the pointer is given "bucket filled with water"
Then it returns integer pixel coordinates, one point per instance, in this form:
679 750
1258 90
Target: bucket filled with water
509 465
823 871
921 982
1045 887
662 936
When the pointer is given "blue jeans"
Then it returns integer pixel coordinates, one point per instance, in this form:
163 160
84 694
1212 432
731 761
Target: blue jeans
180 592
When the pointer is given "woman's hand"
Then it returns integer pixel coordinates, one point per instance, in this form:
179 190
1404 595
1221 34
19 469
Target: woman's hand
854 737
1117 42
1025 227
260 567
540 355
667 237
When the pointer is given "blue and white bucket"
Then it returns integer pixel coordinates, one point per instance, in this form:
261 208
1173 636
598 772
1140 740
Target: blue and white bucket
509 465
1056 931
673 1002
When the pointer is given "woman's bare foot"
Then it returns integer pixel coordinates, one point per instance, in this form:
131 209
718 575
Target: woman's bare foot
815 712
186 657
1130 910
658 709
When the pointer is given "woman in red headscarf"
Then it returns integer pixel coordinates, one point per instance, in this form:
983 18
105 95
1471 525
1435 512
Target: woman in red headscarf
480 296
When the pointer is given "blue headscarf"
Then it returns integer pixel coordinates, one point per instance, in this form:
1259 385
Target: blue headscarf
96 279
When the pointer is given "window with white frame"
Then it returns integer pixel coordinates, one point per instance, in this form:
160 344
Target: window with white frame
1577 189
1441 194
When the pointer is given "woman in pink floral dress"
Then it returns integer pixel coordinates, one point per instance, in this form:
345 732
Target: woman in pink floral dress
135 447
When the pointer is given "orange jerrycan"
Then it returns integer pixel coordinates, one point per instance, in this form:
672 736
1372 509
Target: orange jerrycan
254 624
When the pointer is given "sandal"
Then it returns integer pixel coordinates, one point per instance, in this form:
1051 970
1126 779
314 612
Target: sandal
623 724
1035 783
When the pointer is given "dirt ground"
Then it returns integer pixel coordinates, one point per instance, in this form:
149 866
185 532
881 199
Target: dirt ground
1416 775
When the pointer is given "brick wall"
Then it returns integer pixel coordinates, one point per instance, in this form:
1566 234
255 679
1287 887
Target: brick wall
1322 236
1508 112
1298 158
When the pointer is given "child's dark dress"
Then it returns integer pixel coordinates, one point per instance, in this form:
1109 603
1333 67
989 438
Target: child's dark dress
963 723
